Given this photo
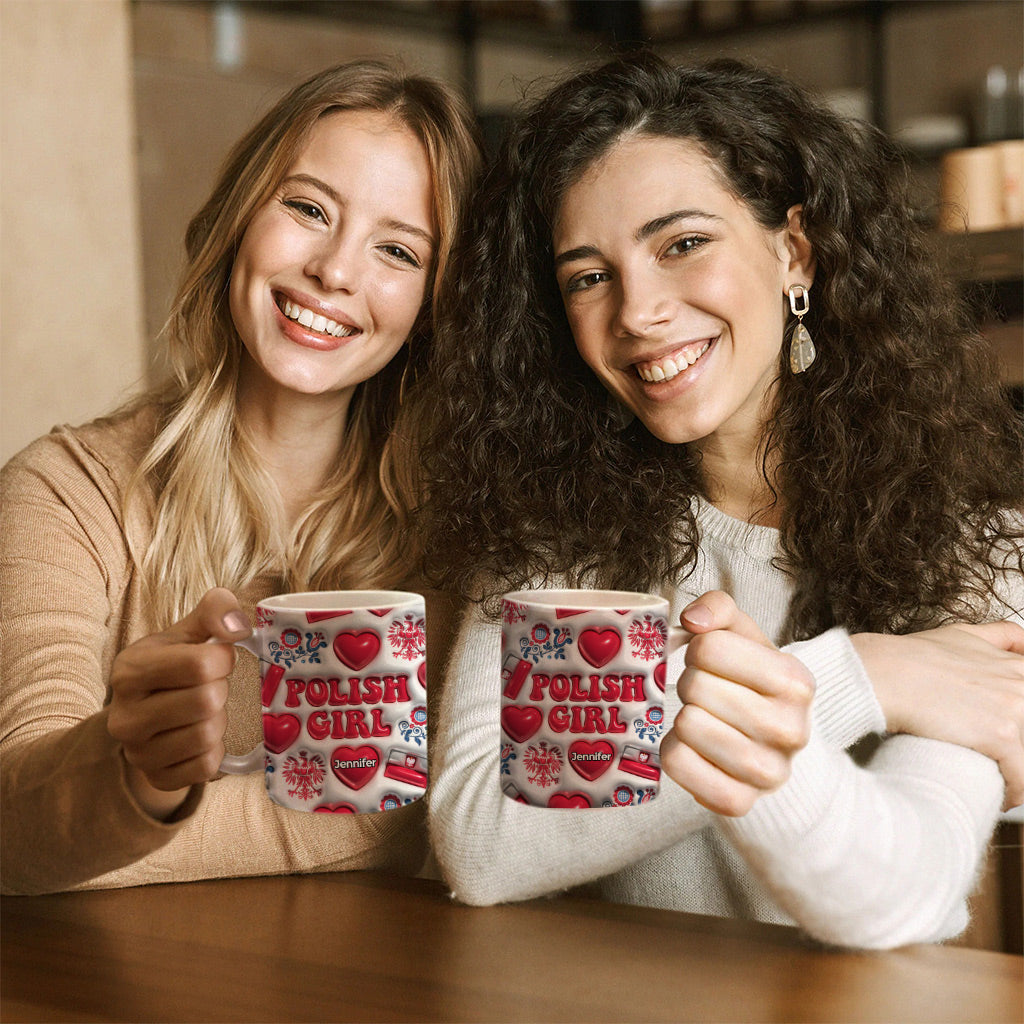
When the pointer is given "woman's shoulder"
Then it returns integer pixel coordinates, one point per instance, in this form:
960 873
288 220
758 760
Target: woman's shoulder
105 451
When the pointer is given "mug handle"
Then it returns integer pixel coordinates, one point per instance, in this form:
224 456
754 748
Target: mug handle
242 764
677 637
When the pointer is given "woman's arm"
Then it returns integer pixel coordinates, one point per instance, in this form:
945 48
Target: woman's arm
493 849
70 816
961 683
67 809
873 857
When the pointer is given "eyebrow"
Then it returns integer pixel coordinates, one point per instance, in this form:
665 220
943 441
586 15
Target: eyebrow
335 197
652 227
642 234
582 252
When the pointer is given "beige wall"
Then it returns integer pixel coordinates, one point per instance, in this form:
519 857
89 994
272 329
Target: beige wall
71 341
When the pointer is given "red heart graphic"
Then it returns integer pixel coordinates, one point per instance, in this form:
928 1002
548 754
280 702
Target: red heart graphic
599 645
335 809
568 613
357 650
268 687
421 674
659 676
570 800
592 760
357 764
280 732
520 722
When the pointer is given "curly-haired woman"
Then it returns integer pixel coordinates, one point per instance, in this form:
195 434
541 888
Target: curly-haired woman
275 459
699 348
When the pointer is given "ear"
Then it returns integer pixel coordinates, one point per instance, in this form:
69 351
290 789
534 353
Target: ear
798 246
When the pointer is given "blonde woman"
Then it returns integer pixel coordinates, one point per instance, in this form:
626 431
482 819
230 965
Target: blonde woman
274 459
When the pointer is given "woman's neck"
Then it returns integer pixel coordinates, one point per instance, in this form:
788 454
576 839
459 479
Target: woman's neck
734 474
298 438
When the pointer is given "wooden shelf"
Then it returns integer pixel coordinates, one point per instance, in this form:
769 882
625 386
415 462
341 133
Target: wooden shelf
612 23
987 257
990 265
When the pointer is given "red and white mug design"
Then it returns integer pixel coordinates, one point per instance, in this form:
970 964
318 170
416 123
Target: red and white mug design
582 684
344 700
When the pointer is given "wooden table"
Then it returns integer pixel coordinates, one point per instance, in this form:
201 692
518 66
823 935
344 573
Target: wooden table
368 947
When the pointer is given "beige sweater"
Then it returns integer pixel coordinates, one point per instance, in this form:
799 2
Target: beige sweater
70 600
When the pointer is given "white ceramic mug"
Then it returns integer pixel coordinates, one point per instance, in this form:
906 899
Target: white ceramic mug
582 709
343 690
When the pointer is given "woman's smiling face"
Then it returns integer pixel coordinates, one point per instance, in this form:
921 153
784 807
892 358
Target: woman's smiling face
332 270
673 290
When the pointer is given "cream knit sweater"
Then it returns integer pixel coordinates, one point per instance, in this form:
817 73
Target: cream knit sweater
70 600
874 856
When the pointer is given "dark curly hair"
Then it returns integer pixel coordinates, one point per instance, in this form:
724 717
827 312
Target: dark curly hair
899 457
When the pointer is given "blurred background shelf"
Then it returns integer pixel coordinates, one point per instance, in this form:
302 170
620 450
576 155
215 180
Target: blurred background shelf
990 267
599 27
987 256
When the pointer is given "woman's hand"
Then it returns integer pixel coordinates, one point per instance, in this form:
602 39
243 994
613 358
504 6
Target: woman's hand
167 705
960 683
746 710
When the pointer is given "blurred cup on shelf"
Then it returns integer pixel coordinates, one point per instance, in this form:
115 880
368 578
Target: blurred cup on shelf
971 190
1011 156
931 135
851 103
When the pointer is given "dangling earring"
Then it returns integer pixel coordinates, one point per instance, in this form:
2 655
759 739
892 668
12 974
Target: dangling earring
801 350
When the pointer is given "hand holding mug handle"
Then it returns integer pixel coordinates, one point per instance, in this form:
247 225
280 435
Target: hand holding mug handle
746 709
168 692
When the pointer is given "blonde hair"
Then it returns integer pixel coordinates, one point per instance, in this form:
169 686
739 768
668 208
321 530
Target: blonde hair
217 517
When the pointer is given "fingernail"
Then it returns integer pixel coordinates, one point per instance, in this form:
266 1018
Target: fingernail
235 622
699 615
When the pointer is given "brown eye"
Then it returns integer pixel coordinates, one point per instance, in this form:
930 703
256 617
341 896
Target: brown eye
398 252
308 210
683 246
586 281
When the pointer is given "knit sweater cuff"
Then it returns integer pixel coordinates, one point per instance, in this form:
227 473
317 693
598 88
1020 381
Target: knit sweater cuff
845 706
796 809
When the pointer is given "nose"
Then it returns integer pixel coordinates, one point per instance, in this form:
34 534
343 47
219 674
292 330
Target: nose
644 304
336 263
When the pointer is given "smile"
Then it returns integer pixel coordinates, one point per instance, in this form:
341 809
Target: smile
667 367
314 321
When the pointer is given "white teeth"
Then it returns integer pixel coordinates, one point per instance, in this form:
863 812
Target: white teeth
314 321
667 368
